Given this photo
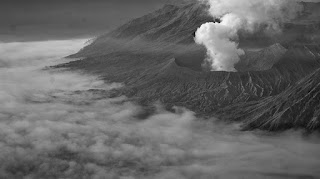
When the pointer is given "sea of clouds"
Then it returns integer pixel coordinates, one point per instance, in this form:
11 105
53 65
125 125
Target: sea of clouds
62 124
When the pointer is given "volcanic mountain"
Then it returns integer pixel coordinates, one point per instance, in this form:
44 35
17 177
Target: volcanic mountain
156 58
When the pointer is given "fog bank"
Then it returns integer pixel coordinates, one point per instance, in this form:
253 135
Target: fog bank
60 124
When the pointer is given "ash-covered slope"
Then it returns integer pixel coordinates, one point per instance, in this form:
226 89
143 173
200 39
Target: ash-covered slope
156 58
296 107
261 60
161 31
149 78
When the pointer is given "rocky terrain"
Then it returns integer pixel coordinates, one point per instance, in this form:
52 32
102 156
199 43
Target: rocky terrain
156 58
296 107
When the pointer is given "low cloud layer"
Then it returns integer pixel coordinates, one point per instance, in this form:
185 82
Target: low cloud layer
58 124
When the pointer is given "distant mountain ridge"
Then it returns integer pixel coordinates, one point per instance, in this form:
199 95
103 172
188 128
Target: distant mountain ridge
156 58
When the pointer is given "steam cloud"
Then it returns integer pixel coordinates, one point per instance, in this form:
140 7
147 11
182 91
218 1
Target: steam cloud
53 126
221 39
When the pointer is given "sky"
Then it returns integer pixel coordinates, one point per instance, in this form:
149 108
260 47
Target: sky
22 20
29 20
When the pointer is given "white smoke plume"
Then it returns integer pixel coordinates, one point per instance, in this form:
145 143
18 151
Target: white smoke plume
222 40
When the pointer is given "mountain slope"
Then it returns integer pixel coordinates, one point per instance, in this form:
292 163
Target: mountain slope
296 107
261 60
160 30
149 78
157 60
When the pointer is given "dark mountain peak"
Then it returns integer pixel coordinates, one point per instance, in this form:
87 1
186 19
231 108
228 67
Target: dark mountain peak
172 24
172 69
275 47
166 20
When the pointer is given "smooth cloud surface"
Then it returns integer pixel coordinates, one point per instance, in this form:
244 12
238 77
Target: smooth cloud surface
53 126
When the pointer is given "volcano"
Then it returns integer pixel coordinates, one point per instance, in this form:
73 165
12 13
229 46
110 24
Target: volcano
156 58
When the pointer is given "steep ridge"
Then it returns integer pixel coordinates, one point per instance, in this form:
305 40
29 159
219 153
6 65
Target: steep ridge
296 107
160 30
140 54
261 60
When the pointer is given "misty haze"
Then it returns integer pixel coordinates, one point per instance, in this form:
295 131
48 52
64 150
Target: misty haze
159 89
